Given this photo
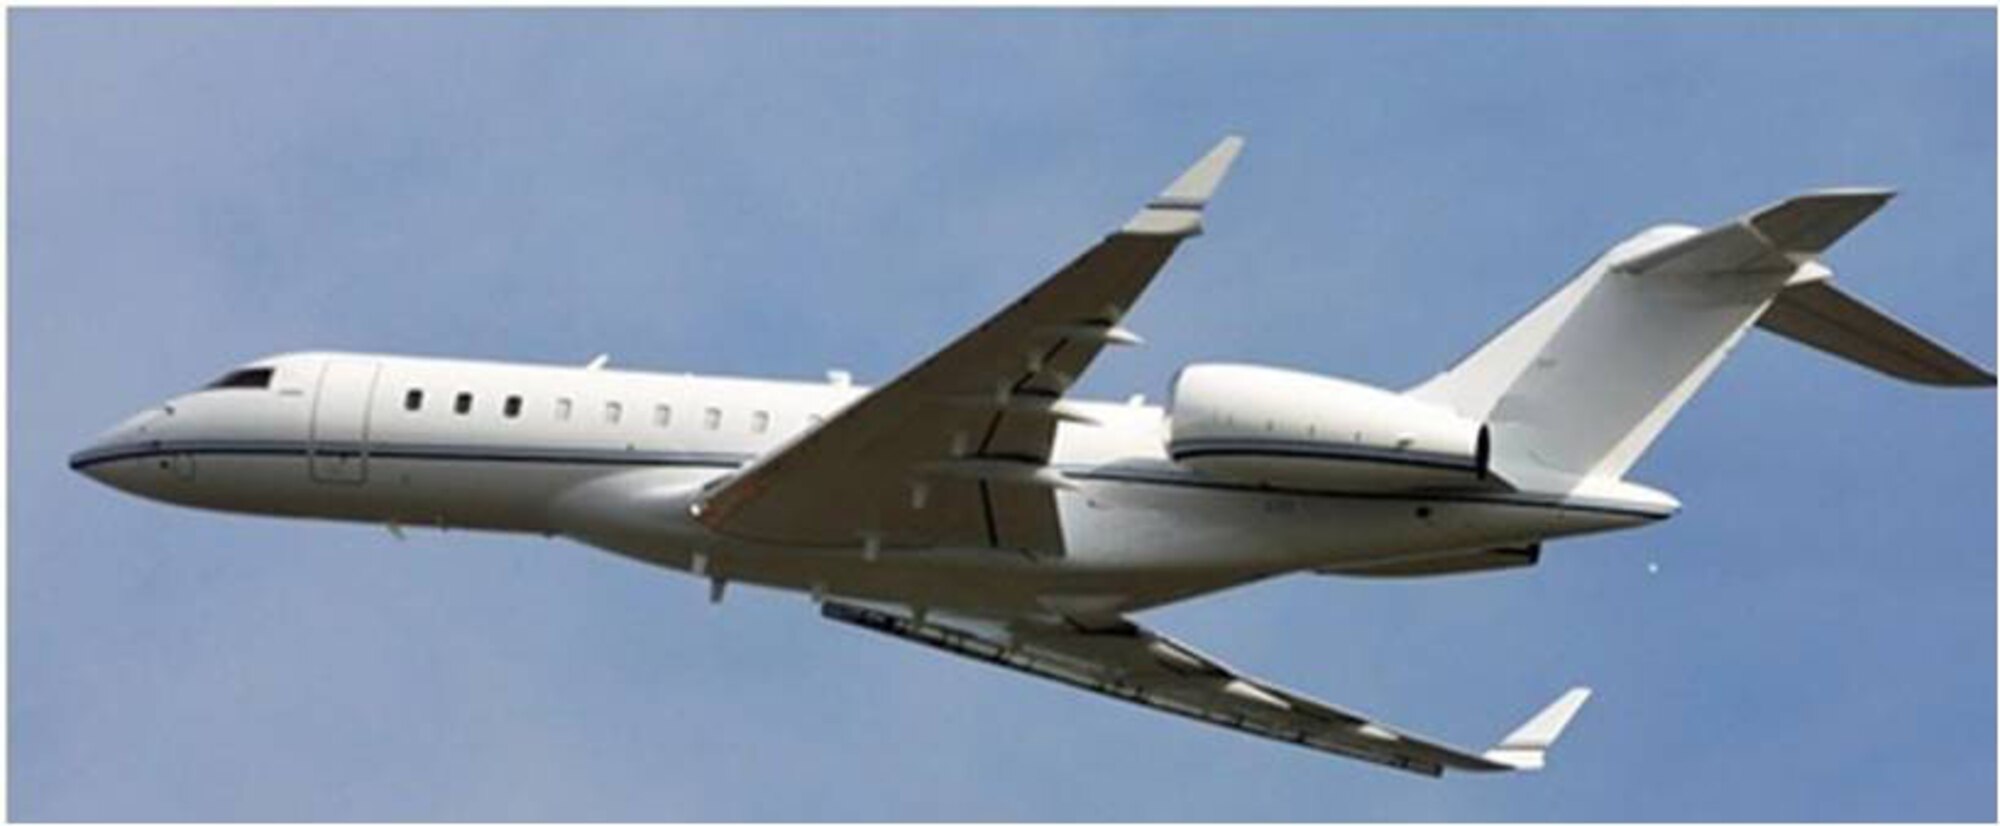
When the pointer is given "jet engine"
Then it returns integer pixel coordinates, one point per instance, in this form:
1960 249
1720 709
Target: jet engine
1290 429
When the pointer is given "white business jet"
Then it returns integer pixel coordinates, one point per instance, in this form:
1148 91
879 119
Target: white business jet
972 506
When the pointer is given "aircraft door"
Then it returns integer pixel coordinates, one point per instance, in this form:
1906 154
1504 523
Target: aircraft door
340 421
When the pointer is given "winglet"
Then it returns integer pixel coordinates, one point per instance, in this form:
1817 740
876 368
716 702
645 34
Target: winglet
1177 210
1525 748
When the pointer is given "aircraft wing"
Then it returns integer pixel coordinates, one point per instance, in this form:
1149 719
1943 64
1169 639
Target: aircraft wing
954 451
1130 663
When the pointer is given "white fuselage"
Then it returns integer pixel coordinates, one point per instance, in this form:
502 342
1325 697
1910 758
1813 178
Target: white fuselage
613 458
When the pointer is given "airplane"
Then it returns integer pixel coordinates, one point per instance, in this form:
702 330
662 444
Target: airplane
973 506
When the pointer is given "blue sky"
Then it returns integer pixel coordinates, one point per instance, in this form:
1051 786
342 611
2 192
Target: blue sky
779 193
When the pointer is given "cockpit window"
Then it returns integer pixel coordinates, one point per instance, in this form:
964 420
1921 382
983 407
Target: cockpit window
253 377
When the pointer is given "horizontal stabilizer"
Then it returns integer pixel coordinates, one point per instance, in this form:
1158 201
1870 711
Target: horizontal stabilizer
1820 315
1526 748
1775 239
1811 222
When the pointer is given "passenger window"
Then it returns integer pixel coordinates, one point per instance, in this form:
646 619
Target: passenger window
413 400
512 409
663 415
463 404
712 418
562 410
613 411
760 421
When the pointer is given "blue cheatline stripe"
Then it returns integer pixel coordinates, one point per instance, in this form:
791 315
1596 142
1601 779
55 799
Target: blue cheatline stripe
720 460
470 453
1297 449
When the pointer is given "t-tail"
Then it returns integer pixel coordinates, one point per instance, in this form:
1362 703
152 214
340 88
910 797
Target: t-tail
1578 387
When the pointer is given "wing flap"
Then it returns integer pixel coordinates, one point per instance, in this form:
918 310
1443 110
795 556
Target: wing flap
1127 662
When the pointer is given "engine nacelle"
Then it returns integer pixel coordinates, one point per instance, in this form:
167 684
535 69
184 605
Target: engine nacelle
1291 429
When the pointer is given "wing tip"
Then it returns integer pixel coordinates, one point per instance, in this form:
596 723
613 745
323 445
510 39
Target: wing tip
1177 210
1198 183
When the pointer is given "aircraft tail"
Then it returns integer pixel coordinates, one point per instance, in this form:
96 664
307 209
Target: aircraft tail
1582 384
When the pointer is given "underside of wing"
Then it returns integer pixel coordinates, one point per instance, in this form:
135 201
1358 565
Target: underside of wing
954 452
1127 662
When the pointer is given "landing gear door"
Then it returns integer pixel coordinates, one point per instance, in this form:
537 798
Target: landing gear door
340 421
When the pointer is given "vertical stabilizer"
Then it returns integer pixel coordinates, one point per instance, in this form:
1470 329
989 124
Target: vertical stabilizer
1583 383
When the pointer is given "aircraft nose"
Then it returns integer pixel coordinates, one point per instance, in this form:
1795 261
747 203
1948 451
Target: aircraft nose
90 460
125 441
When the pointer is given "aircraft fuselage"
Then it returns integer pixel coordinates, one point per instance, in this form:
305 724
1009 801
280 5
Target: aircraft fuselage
614 458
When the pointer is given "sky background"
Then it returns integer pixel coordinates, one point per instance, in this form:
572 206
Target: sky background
779 193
